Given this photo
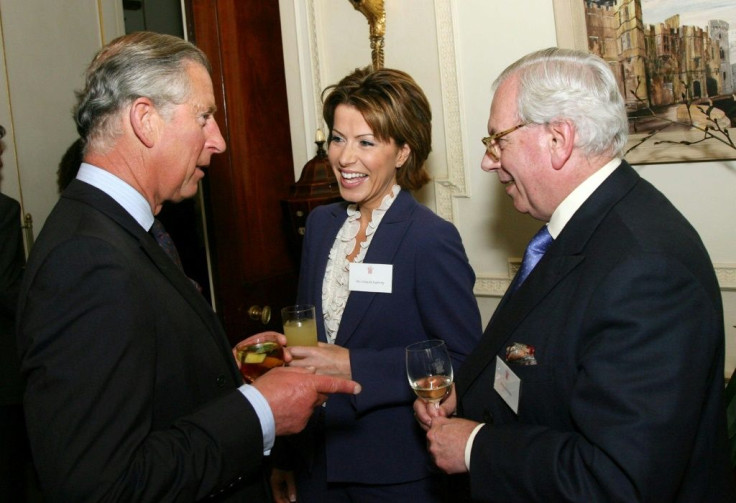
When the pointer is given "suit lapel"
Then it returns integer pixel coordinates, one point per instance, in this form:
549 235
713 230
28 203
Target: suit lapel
384 245
563 256
102 202
177 278
331 226
512 311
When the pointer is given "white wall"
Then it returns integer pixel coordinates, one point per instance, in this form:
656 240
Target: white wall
454 49
46 45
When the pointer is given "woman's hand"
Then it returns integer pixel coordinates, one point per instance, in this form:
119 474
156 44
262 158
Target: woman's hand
328 359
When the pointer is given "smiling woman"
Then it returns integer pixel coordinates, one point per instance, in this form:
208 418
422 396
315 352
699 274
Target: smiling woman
379 139
380 136
364 165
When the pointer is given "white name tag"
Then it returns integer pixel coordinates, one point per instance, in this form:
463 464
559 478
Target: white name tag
507 384
370 278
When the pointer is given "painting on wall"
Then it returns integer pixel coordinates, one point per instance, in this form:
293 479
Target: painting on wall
676 67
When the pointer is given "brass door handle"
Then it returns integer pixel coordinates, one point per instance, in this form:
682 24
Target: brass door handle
260 313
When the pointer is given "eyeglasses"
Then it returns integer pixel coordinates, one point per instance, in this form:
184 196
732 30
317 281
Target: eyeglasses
491 142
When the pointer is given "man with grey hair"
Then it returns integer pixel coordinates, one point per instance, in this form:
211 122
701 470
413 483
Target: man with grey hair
133 393
600 375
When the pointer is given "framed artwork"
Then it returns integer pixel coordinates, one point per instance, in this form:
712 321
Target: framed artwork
676 67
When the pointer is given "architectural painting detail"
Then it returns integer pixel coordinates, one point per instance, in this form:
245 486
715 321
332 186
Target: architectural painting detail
675 79
658 64
718 31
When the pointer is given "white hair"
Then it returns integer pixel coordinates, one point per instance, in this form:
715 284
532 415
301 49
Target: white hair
562 84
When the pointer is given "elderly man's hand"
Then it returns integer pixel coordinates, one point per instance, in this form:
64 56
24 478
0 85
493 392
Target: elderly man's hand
446 441
293 393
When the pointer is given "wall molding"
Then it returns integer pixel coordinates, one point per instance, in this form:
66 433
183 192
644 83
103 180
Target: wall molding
454 184
491 286
316 71
495 286
726 274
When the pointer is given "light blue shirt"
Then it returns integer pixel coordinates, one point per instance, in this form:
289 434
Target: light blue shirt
125 195
136 205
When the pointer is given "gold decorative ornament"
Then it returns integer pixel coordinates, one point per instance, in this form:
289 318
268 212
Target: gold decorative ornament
374 12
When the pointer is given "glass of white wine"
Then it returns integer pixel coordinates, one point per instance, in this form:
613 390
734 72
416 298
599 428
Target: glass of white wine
429 370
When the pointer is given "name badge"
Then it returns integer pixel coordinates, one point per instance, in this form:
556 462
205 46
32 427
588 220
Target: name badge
507 384
370 277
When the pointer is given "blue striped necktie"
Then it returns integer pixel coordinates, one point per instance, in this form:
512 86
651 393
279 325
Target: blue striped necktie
533 254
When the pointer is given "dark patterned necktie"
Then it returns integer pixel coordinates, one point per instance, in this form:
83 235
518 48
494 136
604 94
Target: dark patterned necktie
533 254
164 240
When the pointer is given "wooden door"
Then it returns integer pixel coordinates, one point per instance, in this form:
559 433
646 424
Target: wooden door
243 189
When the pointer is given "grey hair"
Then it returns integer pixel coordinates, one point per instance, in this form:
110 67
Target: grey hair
141 64
558 84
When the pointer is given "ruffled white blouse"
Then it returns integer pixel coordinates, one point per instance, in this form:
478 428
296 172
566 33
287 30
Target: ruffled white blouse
335 285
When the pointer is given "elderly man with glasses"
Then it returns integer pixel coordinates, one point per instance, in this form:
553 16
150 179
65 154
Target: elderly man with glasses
600 376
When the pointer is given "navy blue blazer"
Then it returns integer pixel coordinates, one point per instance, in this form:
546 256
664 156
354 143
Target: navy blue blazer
372 437
131 383
625 403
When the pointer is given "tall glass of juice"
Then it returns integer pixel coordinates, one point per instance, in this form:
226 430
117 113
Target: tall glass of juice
300 325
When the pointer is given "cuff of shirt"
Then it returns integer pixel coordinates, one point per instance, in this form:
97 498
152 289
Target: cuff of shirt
265 415
469 444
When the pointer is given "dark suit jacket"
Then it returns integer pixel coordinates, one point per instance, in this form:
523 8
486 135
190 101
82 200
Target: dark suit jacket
372 437
625 404
12 260
131 392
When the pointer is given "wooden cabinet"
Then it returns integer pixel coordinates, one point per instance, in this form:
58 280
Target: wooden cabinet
317 185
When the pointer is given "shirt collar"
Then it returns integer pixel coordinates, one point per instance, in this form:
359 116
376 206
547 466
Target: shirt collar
124 194
577 197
